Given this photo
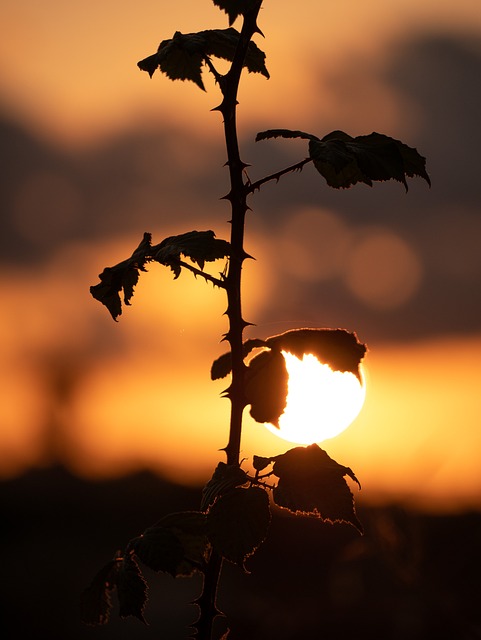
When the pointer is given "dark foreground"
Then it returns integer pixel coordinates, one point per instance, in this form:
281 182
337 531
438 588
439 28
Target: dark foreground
412 576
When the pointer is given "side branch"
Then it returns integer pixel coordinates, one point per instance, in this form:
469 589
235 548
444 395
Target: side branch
217 282
253 186
218 76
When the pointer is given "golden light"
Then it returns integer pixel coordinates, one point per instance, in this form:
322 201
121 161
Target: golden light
321 403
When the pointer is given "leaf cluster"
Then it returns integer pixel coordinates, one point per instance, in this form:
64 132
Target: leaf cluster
266 375
233 523
122 574
199 246
344 161
183 56
234 8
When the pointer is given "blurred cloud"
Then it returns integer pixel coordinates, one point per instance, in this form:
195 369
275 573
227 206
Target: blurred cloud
46 207
313 244
382 270
433 77
375 264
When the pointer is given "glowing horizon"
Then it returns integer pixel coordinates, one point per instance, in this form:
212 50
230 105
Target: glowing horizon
415 440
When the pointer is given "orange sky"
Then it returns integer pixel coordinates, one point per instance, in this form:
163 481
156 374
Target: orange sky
417 437
69 70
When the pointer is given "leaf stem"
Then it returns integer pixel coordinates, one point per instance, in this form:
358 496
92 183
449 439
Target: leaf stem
253 186
218 76
217 282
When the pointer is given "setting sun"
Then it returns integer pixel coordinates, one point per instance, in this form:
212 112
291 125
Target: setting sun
321 403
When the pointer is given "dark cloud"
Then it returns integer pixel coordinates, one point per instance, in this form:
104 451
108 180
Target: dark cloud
438 74
145 180
134 183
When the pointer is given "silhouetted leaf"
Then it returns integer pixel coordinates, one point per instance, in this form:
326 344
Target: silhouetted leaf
238 523
177 544
159 549
182 57
199 246
312 483
131 589
234 8
224 478
259 462
343 160
223 44
95 602
266 386
191 529
338 348
284 133
123 276
222 366
266 380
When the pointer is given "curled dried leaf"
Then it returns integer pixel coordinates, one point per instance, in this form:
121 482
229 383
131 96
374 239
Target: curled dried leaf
266 386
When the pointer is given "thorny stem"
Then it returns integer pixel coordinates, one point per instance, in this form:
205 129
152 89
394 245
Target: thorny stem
237 197
207 600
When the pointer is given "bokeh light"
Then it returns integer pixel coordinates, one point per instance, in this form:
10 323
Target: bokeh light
383 270
316 242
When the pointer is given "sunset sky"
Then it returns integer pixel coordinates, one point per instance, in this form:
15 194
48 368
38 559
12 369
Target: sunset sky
95 154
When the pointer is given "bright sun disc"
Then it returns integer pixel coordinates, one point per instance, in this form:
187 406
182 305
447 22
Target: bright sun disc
321 403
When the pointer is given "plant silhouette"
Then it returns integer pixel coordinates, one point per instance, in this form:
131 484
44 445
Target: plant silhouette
234 514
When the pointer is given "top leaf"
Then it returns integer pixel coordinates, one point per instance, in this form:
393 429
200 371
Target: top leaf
234 8
182 57
344 161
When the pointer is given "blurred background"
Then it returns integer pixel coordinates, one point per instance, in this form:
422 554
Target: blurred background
105 426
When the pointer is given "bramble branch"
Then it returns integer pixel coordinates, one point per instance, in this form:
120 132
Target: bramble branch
217 282
253 186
